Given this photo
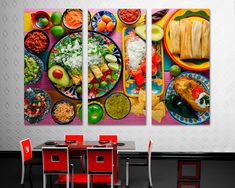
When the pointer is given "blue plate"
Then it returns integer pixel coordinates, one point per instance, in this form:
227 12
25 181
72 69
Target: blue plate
202 116
98 16
33 120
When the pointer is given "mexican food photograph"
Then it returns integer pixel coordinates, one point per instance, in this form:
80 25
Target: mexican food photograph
117 67
181 87
52 66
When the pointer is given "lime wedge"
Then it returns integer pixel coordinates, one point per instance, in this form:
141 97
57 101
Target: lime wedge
111 58
113 66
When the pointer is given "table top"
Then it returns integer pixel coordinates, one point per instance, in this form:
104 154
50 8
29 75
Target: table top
121 146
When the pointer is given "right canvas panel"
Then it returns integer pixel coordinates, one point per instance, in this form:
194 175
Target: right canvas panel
180 66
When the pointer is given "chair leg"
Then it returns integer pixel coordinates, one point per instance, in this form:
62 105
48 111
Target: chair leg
22 174
88 181
44 180
127 172
111 180
150 176
67 180
72 176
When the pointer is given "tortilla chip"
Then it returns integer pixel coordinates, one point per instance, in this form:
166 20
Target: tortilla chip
158 115
155 100
137 109
142 96
160 106
134 100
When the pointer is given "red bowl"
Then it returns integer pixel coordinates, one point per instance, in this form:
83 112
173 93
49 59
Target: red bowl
35 18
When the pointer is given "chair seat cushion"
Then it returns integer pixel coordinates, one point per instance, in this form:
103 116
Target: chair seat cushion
78 178
82 179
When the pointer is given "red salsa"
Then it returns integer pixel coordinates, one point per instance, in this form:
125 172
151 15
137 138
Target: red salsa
129 15
36 42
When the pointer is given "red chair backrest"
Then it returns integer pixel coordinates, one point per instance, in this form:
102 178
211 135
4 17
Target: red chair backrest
112 138
78 138
26 149
55 159
100 160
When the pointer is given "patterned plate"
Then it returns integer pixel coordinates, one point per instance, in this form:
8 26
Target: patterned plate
40 64
192 14
33 120
94 94
202 116
97 18
69 92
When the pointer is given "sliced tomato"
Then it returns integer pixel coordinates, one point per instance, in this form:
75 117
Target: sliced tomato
196 92
156 59
139 79
143 67
154 69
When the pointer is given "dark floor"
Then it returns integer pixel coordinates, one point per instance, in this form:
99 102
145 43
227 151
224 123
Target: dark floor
214 174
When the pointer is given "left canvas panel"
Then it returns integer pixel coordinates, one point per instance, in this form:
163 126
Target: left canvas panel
52 66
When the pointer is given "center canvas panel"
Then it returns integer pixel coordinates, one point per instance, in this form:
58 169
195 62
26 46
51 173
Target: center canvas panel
52 66
117 67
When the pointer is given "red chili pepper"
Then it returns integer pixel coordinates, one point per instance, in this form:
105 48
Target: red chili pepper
139 79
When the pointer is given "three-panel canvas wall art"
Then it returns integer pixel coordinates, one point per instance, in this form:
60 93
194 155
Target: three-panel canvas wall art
53 64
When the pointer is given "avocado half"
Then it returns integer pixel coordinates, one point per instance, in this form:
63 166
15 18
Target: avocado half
64 81
157 32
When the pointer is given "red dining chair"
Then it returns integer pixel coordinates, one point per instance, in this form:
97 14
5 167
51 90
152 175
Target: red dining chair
27 157
148 164
56 162
112 138
100 166
76 137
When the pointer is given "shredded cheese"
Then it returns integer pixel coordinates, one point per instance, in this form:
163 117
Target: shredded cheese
136 49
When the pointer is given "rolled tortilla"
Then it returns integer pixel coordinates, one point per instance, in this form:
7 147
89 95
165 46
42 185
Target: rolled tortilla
197 39
104 67
90 76
186 39
96 71
175 37
206 39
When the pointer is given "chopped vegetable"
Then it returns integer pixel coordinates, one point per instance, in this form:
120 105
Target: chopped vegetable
31 69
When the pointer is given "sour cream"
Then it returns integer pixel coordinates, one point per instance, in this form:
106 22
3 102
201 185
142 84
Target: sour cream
203 105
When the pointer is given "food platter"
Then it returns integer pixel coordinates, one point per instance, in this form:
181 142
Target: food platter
100 40
200 64
158 78
58 53
202 116
131 87
112 69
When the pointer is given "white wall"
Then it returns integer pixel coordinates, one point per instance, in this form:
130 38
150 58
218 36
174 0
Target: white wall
219 136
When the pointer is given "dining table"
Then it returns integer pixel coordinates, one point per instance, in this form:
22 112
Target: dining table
80 148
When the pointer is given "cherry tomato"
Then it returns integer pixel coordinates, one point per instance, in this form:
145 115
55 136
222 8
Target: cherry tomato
57 74
196 92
